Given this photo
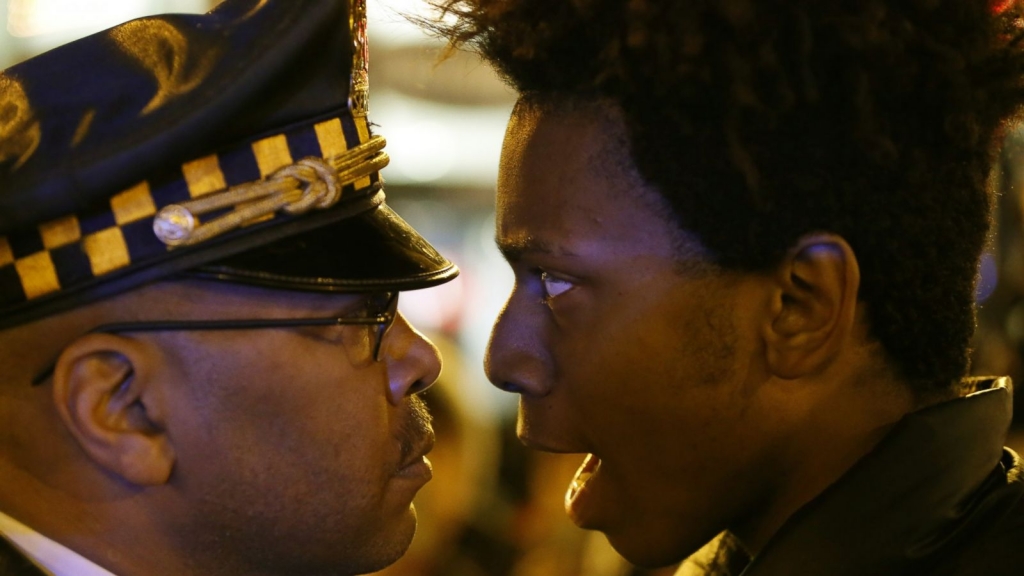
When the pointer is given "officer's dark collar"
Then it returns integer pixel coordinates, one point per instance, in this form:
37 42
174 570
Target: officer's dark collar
930 481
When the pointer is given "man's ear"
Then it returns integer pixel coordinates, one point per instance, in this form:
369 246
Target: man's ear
104 392
813 307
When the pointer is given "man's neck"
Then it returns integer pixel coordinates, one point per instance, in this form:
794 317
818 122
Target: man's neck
839 430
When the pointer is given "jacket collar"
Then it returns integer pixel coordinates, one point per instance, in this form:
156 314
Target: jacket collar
925 484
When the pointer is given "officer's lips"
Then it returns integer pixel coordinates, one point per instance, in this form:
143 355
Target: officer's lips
415 465
416 439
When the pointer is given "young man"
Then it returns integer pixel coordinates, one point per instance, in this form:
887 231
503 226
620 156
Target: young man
202 367
745 238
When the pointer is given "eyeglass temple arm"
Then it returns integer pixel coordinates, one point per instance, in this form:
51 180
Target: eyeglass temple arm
176 325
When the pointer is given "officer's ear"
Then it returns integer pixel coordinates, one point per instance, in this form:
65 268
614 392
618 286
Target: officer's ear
813 306
104 391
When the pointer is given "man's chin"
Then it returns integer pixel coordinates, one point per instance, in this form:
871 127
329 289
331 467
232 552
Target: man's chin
645 549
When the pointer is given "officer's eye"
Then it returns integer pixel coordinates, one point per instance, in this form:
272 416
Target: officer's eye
377 303
554 286
369 305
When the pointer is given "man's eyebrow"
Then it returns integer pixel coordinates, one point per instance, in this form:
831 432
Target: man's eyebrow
514 249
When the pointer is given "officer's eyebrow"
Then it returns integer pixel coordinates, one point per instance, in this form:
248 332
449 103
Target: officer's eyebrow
515 249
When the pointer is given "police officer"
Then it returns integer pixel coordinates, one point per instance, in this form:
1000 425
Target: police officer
202 366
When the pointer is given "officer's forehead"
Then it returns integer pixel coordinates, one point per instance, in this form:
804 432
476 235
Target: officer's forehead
181 296
192 298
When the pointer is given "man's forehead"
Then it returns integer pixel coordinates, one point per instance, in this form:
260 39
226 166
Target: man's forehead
586 148
597 123
514 247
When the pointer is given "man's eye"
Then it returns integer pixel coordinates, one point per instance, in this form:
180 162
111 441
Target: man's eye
554 286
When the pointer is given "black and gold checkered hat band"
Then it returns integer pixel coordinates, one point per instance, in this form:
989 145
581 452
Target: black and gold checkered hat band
70 255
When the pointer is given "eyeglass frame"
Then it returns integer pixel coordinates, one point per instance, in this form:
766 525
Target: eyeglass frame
384 321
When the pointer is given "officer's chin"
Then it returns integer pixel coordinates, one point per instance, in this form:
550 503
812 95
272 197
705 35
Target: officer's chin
392 546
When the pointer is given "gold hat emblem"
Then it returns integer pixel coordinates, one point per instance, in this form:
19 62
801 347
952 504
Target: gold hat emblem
359 89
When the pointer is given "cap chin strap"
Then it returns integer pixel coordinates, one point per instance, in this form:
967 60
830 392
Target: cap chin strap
309 184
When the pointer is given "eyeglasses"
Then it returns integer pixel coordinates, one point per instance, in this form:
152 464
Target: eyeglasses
380 309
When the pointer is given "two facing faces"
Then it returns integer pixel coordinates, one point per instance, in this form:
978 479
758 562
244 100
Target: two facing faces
624 345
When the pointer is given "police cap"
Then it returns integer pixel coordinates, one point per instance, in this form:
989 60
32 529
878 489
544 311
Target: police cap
231 146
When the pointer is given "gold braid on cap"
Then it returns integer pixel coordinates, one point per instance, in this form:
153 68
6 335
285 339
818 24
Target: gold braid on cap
359 85
309 184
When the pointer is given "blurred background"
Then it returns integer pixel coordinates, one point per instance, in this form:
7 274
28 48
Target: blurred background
494 509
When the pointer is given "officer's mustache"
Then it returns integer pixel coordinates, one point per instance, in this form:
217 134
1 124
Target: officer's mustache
416 431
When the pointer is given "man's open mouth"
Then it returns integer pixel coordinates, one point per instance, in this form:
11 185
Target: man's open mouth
579 482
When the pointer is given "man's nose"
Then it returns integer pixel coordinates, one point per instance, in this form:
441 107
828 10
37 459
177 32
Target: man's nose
412 360
517 359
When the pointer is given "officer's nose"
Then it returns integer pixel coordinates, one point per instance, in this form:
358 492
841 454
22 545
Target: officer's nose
412 360
517 360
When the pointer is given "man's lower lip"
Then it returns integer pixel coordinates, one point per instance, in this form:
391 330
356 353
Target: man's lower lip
580 494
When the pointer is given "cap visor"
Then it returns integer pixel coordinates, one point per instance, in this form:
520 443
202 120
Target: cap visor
374 250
